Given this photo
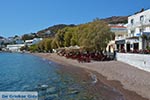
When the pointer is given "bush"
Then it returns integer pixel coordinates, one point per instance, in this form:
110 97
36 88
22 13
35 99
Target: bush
148 47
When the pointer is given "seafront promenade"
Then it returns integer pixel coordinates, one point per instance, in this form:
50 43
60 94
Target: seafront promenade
131 78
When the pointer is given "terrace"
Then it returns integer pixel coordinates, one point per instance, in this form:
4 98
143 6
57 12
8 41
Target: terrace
83 56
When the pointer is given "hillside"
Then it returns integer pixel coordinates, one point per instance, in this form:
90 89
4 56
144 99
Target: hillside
116 19
51 31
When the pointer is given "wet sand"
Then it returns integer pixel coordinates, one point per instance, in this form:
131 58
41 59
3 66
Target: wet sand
130 82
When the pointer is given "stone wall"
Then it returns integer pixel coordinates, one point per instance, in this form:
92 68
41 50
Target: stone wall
141 61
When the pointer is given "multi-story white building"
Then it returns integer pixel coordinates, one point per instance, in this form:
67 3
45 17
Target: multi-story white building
120 31
138 28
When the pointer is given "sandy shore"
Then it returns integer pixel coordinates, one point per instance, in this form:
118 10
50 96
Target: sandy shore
133 83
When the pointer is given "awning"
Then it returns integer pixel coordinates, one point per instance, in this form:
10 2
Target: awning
138 34
146 33
120 42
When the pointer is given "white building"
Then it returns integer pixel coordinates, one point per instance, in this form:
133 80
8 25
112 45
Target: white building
120 31
15 47
33 41
138 26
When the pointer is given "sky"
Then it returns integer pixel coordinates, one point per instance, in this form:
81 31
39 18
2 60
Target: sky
18 17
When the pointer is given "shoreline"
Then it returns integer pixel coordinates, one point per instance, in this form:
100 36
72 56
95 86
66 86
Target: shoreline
104 74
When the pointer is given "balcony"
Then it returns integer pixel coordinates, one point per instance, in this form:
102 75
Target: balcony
145 23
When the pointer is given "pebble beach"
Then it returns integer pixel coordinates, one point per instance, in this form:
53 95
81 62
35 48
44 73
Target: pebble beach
130 82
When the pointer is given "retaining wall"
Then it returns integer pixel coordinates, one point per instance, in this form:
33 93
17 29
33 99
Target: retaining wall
141 61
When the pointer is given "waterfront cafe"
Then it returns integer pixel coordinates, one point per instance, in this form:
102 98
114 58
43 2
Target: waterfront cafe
128 44
120 45
132 44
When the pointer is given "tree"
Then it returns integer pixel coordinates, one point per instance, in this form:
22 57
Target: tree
47 44
146 39
41 46
68 36
24 48
54 44
59 38
74 39
95 35
29 36
33 48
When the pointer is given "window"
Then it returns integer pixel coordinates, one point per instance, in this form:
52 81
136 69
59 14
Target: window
132 21
141 30
142 18
145 29
132 31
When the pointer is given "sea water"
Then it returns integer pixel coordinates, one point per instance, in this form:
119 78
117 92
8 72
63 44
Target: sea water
26 72
20 72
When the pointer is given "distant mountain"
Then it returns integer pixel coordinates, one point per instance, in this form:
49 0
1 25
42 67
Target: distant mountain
51 31
116 19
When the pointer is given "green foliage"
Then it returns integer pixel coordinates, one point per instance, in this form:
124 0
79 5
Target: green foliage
54 44
47 45
51 31
29 36
144 36
33 48
24 48
93 36
68 36
74 39
43 46
59 38
148 47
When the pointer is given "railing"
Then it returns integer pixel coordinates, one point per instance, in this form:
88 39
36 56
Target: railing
146 22
120 38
